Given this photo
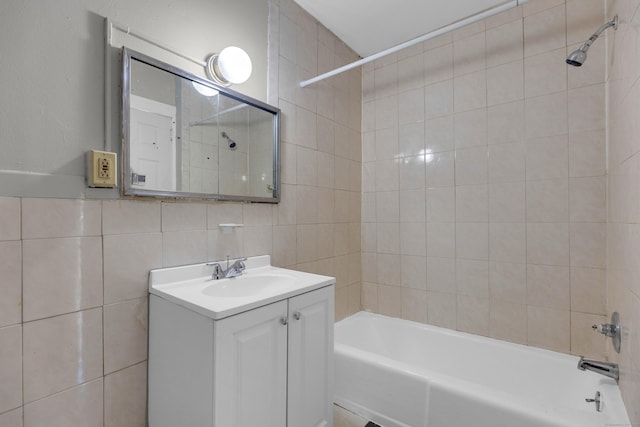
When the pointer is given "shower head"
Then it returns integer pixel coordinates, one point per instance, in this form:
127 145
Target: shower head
231 142
579 56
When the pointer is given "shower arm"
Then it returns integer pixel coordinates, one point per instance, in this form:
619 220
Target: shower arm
586 45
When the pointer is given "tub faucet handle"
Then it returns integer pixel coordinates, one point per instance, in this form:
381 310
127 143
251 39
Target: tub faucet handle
596 400
611 330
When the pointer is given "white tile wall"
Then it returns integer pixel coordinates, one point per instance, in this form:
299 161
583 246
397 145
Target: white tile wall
513 193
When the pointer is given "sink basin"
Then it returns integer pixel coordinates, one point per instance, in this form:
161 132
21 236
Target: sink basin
261 283
244 286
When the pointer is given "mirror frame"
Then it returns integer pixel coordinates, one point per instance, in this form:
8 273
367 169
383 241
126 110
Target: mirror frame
128 55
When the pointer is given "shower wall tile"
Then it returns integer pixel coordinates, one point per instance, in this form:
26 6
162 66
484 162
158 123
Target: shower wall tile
547 157
414 271
588 295
414 305
438 63
10 227
548 286
507 242
469 55
10 368
546 115
581 14
471 128
505 123
505 83
503 18
545 31
548 243
513 197
471 166
61 275
507 202
46 218
507 162
61 352
442 309
504 43
127 261
548 200
439 99
12 418
125 332
11 283
470 91
127 216
549 328
184 247
440 204
472 203
411 71
125 397
508 321
183 216
508 282
587 154
472 314
587 108
439 135
535 6
75 407
546 73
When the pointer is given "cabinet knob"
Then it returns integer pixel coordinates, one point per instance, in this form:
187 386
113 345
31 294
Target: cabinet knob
297 315
283 320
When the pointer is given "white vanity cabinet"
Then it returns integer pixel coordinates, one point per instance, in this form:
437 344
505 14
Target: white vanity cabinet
273 364
270 366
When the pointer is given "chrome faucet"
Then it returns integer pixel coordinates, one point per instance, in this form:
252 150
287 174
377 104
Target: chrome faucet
607 369
235 270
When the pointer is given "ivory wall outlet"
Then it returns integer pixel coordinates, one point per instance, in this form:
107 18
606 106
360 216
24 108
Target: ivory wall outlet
102 169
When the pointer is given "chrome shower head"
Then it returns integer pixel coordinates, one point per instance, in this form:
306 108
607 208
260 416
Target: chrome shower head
579 56
232 144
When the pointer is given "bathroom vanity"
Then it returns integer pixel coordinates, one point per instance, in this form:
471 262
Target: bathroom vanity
255 350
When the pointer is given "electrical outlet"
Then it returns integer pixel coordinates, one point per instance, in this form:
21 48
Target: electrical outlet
102 169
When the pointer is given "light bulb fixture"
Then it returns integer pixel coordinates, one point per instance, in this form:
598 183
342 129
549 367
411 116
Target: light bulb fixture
231 66
204 90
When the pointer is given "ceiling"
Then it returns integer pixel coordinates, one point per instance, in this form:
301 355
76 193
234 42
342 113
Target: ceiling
369 26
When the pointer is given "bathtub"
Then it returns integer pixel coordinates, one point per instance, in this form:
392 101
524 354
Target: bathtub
399 373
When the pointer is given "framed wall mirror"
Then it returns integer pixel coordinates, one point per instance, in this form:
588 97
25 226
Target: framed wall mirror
186 137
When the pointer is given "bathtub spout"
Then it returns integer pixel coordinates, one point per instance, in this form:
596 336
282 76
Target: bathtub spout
604 368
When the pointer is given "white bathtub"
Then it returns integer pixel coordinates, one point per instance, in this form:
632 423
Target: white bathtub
399 373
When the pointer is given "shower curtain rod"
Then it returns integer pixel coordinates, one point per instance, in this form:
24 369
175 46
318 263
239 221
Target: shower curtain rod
458 24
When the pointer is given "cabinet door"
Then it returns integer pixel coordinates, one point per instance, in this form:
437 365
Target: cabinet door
250 384
310 401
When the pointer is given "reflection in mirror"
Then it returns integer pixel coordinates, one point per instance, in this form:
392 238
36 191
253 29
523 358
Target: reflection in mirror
187 137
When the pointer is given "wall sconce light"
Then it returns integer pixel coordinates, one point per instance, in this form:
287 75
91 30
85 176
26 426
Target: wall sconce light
231 66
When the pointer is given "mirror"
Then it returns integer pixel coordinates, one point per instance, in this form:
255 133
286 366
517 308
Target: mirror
184 136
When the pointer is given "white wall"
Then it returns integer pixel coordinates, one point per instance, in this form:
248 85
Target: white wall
53 77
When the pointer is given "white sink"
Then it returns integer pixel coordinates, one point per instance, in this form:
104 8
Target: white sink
192 286
246 285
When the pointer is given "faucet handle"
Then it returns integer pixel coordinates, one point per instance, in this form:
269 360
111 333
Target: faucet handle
217 270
